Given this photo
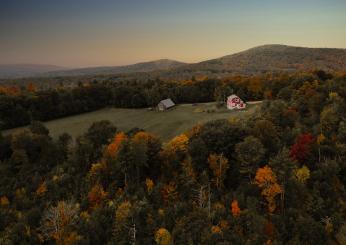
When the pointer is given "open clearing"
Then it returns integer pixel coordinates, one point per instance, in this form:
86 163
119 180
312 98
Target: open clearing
165 124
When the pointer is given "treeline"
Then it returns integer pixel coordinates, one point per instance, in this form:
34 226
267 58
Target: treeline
276 178
20 106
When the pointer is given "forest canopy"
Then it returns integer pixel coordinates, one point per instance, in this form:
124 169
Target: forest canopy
276 178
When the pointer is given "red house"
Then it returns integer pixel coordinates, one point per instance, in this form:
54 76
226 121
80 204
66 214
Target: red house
234 102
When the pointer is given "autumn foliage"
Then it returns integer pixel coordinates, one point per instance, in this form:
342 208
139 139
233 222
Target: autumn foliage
123 211
215 229
10 90
57 221
114 146
163 237
169 192
31 88
144 137
41 189
302 148
178 144
235 208
4 201
209 185
96 195
149 184
302 174
218 164
266 180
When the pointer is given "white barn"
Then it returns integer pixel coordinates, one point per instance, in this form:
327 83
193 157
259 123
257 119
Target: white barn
234 102
165 104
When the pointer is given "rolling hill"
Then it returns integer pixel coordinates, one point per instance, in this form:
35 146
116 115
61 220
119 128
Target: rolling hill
266 58
157 65
17 71
276 58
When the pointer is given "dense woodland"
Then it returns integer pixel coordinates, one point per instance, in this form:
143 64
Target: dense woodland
276 178
19 105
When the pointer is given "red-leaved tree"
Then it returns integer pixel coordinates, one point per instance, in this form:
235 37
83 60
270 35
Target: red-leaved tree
302 148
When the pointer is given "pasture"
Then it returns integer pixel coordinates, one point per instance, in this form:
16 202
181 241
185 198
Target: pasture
165 124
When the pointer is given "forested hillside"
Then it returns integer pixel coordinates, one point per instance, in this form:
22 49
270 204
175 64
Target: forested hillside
254 61
278 58
276 178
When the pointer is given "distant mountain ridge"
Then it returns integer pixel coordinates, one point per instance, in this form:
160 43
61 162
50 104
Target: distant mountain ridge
162 64
266 58
24 70
15 71
278 58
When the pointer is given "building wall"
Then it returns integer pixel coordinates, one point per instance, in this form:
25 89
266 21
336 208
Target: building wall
161 107
234 102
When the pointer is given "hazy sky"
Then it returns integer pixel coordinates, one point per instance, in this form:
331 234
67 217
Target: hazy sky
76 33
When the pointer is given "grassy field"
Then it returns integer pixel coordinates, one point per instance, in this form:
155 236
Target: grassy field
164 124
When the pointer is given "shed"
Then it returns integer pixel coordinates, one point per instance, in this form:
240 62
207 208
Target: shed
234 102
165 104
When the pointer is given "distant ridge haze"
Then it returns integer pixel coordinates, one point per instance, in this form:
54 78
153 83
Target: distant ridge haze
22 70
156 65
274 57
31 70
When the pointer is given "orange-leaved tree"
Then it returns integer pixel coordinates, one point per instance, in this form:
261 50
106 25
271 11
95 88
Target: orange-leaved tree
113 147
41 189
235 208
266 180
31 88
163 237
4 201
96 196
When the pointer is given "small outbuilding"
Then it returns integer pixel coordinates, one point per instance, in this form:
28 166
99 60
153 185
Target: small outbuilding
234 102
165 105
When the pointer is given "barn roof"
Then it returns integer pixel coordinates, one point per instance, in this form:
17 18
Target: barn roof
167 103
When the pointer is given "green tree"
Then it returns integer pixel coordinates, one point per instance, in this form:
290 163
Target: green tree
37 127
283 166
250 154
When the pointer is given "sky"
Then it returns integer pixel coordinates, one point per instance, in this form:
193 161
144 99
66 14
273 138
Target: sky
81 33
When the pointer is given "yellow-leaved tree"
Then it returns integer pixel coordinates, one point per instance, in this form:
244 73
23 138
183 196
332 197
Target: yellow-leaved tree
178 144
123 212
302 174
149 184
